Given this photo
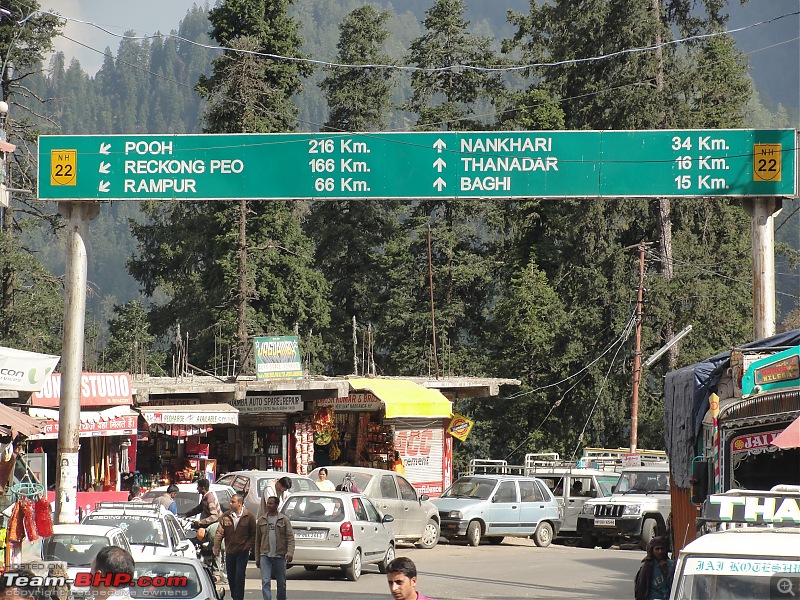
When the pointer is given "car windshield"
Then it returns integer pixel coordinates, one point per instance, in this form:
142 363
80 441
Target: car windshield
607 484
77 550
337 476
185 501
139 529
314 508
471 487
180 580
643 482
721 578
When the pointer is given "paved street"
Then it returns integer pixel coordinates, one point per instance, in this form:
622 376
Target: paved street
515 569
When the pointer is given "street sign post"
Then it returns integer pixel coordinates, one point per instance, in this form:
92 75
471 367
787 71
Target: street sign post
498 164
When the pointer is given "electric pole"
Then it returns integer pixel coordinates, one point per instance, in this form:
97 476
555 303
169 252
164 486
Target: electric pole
637 355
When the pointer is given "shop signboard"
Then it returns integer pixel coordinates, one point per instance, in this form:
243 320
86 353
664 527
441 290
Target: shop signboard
97 389
278 357
24 371
286 403
421 446
460 426
354 402
124 425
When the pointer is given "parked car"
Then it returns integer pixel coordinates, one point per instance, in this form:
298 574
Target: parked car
339 529
77 545
639 509
149 527
572 487
416 519
188 497
253 483
496 506
198 583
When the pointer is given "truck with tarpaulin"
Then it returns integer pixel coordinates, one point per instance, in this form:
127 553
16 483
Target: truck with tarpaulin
722 419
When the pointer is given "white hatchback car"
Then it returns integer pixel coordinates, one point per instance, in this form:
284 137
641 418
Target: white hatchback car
339 529
77 545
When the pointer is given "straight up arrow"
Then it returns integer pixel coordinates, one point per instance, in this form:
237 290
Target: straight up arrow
440 145
105 148
439 184
103 187
440 164
104 167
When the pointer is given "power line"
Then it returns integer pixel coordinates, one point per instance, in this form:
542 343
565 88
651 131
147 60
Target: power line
409 68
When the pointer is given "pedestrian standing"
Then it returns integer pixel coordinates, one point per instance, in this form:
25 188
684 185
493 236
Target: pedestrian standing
167 500
274 547
135 495
654 579
401 574
238 528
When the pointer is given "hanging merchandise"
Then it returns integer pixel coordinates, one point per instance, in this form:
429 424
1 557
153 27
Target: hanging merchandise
16 526
324 425
44 519
8 457
304 446
28 520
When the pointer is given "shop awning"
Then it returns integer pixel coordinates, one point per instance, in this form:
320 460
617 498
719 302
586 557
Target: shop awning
118 420
193 414
404 398
789 437
14 422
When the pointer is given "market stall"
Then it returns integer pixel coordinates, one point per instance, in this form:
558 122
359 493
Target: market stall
174 447
379 418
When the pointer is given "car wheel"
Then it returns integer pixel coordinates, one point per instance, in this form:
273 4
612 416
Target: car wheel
649 531
353 570
544 535
310 567
383 567
430 537
495 541
474 533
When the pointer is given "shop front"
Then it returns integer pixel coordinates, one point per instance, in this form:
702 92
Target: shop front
107 430
175 441
377 420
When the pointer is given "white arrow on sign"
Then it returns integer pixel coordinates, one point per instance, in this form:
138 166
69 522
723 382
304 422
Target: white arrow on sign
439 184
105 148
104 167
103 187
440 145
440 164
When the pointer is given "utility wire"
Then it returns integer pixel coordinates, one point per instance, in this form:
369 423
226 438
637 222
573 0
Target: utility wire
503 69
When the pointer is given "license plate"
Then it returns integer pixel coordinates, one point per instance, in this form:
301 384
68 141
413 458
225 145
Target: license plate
605 522
309 535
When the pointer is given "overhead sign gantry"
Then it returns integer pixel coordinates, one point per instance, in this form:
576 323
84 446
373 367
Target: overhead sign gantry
528 164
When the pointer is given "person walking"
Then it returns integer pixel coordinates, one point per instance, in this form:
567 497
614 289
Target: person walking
401 574
274 547
238 528
654 578
135 495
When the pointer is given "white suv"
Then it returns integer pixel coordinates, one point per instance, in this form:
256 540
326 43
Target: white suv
150 528
638 509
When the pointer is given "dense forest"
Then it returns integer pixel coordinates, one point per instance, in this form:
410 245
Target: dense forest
542 291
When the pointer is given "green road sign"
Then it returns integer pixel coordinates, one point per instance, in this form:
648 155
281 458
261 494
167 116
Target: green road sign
514 164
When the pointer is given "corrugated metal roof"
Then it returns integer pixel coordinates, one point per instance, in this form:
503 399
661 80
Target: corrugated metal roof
18 422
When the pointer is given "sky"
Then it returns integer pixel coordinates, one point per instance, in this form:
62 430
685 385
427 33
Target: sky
776 69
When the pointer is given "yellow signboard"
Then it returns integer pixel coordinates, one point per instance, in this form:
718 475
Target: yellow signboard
460 427
767 162
63 167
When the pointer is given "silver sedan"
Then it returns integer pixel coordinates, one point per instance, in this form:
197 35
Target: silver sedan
339 529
